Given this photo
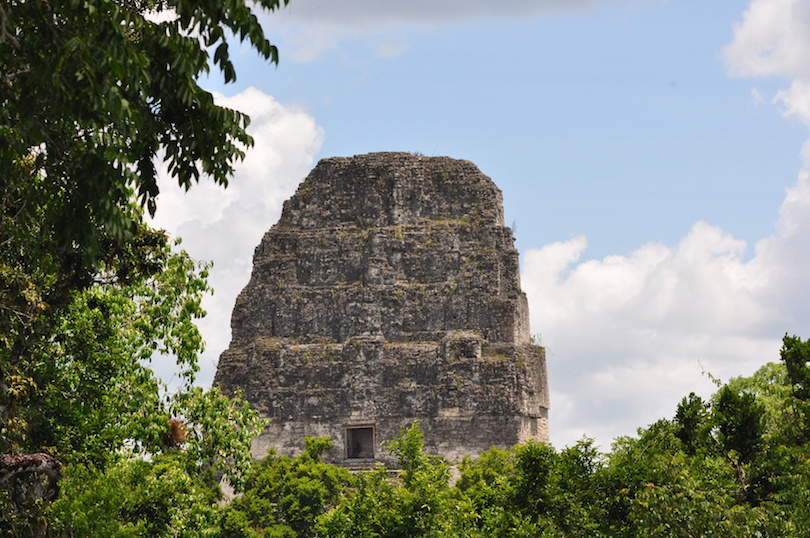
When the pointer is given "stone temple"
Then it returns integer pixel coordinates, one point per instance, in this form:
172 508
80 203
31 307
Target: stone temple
387 293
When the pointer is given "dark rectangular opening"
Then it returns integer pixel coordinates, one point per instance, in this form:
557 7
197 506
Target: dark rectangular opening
360 442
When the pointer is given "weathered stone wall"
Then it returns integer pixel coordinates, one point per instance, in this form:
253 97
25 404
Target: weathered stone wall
388 292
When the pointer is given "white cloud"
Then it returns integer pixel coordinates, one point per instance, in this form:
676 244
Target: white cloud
796 101
628 336
772 39
225 225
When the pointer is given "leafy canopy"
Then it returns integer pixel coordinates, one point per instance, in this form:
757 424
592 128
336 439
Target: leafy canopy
92 94
93 90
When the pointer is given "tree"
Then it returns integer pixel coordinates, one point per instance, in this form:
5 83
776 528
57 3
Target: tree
656 487
93 90
489 482
134 498
738 416
95 389
92 93
691 422
535 490
97 402
795 355
284 496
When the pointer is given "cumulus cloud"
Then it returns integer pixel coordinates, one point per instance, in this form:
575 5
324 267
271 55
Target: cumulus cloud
225 225
795 101
772 39
628 336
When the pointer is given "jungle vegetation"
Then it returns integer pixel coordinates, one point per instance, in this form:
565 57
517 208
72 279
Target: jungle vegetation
92 93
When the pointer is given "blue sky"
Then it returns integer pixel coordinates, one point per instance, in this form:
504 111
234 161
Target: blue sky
650 154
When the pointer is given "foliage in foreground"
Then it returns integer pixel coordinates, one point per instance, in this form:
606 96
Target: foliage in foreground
92 93
735 465
285 496
99 408
135 498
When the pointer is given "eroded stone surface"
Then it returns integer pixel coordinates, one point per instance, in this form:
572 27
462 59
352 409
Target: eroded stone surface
389 292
